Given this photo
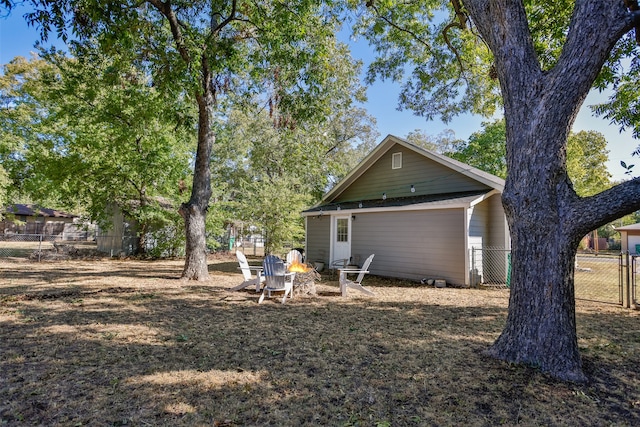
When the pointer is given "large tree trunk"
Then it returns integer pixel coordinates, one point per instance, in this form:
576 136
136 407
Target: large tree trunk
546 217
541 325
194 211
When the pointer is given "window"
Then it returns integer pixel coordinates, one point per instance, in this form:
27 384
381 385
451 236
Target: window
342 230
396 161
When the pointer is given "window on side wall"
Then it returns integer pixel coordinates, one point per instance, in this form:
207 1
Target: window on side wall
396 161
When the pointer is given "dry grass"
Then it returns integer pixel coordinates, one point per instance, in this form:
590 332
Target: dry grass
107 343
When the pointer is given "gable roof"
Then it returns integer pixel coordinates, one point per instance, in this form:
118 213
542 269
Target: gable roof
35 210
387 143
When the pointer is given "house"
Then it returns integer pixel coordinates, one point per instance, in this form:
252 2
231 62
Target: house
37 220
630 238
419 212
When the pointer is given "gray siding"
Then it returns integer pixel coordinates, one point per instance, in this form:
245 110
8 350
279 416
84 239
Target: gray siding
318 238
412 244
498 228
478 225
427 176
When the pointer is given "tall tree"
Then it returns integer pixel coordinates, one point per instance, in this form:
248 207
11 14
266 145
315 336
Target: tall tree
486 149
271 173
12 136
540 59
86 143
207 49
586 157
273 167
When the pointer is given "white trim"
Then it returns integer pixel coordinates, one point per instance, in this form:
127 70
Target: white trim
415 207
396 160
467 264
483 197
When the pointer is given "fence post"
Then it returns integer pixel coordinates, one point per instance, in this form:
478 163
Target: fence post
39 247
474 281
634 303
628 292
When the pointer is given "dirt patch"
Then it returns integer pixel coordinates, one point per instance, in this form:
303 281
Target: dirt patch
125 342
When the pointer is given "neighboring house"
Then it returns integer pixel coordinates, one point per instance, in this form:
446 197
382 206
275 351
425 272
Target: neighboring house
34 219
630 238
419 212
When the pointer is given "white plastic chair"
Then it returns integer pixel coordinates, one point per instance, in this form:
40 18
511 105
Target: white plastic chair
355 284
249 279
277 279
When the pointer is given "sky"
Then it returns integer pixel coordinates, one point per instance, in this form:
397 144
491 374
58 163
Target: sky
17 39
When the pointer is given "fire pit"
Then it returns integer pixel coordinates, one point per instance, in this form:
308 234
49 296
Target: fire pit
305 280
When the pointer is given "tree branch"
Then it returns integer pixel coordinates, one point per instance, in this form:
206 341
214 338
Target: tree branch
602 208
396 26
231 17
632 5
164 7
461 24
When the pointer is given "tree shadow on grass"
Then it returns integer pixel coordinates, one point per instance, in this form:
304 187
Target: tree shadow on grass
165 352
193 357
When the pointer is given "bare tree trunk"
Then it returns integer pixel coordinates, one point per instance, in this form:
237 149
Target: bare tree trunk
541 326
194 211
195 265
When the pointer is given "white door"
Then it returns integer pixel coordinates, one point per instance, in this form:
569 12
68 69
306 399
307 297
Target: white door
341 238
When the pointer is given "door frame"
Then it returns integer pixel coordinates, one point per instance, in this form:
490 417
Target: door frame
334 231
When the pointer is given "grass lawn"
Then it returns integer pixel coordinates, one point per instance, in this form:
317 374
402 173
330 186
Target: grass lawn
121 342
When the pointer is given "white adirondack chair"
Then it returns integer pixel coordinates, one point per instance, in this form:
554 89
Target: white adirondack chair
292 256
355 284
249 279
338 264
277 279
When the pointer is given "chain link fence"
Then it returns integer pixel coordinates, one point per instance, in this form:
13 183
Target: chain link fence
43 246
633 281
597 277
24 245
490 267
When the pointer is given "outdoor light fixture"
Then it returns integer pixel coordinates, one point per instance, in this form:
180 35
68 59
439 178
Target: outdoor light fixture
384 196
353 217
339 208
360 204
413 189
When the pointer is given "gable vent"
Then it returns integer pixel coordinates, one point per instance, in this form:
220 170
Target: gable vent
396 161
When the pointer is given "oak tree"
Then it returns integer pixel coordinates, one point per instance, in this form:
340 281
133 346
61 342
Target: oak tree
538 60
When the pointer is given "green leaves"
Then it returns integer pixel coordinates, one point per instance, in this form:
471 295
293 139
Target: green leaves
586 156
444 69
98 134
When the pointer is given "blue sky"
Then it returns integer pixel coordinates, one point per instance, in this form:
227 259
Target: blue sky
16 38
